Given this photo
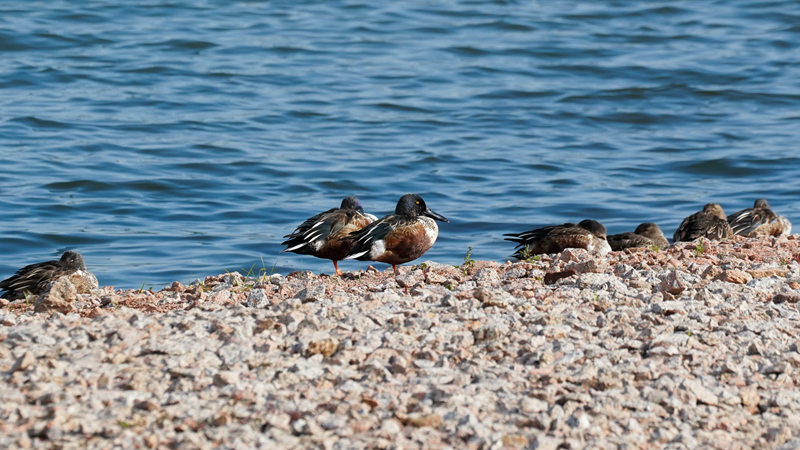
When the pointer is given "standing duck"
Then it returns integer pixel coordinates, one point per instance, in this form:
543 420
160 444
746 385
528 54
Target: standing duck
709 223
34 278
647 234
587 234
759 220
323 235
400 237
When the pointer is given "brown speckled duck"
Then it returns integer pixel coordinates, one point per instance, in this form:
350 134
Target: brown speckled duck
647 234
759 220
587 234
34 278
710 223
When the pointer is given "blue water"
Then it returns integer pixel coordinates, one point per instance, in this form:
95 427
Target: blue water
172 140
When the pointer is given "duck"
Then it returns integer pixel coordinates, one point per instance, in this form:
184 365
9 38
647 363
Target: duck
709 223
34 278
400 237
759 220
647 234
324 235
587 234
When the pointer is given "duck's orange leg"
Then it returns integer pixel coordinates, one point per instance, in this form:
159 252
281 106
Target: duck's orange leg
336 266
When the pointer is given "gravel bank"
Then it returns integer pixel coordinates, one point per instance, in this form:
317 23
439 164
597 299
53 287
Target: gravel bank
695 345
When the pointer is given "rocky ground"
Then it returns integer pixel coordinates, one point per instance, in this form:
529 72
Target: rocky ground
695 345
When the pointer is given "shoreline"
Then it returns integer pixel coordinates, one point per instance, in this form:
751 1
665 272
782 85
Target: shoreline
697 344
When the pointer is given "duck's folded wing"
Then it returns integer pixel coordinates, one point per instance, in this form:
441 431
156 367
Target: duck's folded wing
528 237
746 221
366 238
32 277
303 238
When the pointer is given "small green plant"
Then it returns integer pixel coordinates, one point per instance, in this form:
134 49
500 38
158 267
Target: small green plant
784 262
699 249
528 256
468 261
655 248
123 424
450 286
420 266
252 276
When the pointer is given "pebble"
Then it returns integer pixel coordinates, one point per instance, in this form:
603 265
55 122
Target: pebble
637 349
59 296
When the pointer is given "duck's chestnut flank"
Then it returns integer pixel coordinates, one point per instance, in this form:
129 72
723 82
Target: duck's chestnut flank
400 237
324 235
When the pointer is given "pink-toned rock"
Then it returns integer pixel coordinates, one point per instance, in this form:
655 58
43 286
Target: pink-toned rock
60 296
23 362
572 255
749 396
591 265
673 262
435 278
734 276
711 272
84 282
764 273
491 297
640 284
324 346
672 284
552 277
176 286
424 420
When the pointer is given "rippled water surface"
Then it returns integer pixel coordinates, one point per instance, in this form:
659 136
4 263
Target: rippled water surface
171 140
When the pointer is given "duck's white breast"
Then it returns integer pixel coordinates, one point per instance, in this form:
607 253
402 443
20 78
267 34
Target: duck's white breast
431 229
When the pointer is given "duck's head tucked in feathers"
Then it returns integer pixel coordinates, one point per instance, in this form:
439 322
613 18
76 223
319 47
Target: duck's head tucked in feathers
587 234
761 203
352 202
323 235
649 229
710 223
759 220
715 209
646 235
594 227
72 261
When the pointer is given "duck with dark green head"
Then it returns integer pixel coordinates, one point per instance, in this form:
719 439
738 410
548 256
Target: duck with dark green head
400 237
